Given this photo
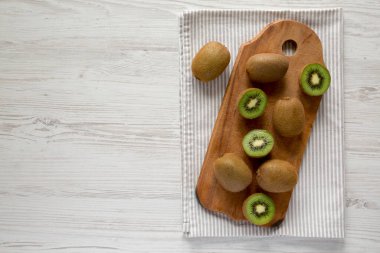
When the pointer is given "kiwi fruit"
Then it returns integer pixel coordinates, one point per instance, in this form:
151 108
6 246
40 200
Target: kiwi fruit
258 143
252 103
259 209
267 67
315 79
210 61
288 117
232 173
277 176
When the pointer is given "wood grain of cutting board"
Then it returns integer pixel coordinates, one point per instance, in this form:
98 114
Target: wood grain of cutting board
230 127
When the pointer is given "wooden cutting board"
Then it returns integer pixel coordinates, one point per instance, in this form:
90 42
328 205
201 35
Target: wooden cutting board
230 127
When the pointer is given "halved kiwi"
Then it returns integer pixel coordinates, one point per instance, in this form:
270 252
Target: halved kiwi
252 103
259 209
258 143
315 79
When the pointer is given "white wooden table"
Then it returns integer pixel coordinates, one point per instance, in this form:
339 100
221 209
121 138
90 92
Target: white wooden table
89 128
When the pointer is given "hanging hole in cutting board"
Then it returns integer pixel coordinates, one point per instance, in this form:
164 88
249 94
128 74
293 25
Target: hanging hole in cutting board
289 48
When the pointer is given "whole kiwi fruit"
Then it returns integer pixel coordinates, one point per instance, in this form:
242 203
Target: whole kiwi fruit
232 173
267 67
210 61
288 117
277 176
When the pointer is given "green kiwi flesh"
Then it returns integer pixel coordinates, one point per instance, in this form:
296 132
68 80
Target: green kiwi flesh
258 143
259 209
252 103
315 79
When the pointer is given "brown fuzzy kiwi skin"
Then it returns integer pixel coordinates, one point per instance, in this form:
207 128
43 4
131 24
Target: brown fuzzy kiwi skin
288 117
210 61
267 67
232 173
277 176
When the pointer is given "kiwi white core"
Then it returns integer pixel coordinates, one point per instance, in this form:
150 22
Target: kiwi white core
315 79
260 209
252 103
258 143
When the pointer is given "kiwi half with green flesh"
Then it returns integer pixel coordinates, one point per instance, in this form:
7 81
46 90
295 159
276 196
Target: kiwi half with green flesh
252 103
315 79
259 209
258 143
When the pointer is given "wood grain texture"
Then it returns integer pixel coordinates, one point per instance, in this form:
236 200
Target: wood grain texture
230 128
84 130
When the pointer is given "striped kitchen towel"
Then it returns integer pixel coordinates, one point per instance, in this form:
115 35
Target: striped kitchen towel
317 204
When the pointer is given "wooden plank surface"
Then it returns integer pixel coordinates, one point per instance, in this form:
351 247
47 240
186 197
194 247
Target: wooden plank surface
89 119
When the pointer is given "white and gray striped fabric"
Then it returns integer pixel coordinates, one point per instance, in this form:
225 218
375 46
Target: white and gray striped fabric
317 205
